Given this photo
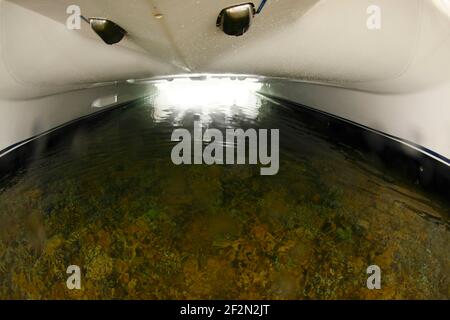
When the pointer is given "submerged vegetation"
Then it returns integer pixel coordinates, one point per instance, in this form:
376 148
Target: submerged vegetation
142 228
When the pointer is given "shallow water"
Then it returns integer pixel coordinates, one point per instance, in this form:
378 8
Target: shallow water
108 199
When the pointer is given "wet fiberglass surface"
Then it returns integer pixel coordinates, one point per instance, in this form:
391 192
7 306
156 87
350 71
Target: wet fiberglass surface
108 198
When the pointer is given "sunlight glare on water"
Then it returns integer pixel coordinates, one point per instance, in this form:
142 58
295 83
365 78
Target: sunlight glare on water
206 97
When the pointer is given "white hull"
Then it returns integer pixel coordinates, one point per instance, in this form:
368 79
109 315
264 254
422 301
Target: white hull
395 80
420 121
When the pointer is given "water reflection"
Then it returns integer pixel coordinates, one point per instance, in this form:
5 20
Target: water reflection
229 98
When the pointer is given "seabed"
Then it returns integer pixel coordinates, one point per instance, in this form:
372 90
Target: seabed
108 199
